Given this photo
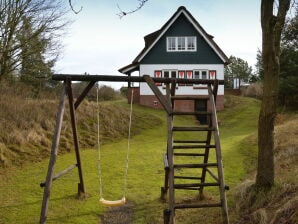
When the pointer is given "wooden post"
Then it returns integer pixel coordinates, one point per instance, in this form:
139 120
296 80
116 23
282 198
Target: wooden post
219 160
206 158
54 153
170 158
81 187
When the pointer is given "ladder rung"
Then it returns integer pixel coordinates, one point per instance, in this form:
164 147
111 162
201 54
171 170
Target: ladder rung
189 141
184 186
188 154
201 165
193 129
188 178
190 113
182 206
190 97
189 188
193 146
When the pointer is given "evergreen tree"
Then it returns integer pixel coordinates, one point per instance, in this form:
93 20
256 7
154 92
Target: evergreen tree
288 88
35 69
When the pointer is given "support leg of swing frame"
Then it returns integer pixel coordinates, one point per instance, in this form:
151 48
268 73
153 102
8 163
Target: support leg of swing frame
81 187
54 153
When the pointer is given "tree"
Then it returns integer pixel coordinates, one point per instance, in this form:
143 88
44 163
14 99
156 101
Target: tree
288 79
288 88
35 70
238 68
25 21
272 26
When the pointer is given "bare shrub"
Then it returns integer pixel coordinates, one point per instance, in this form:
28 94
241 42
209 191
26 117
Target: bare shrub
254 90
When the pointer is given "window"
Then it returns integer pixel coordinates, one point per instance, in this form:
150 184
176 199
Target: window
189 76
182 43
181 75
171 43
169 74
191 43
197 75
157 74
212 74
204 74
200 74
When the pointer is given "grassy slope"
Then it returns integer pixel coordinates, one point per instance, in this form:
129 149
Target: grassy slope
20 197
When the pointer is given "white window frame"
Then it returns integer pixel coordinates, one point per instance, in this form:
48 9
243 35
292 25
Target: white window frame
181 44
201 76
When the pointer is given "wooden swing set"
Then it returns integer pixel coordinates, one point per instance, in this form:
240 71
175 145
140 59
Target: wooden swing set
173 145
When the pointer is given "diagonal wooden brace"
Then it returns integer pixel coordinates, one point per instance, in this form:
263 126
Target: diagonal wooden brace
162 99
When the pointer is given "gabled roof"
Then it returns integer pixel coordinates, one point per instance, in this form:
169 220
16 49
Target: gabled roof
152 38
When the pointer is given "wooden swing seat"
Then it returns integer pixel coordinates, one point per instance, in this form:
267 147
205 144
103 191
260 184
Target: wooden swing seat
112 203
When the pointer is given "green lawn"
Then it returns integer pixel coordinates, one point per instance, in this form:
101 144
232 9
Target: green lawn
20 197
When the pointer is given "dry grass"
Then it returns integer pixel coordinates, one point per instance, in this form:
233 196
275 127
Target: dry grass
27 125
280 204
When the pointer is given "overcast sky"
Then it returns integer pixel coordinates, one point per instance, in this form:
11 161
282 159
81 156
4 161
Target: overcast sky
99 42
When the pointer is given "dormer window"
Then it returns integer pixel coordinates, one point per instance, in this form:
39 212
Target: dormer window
182 43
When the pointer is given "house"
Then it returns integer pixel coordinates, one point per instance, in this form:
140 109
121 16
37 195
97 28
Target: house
181 48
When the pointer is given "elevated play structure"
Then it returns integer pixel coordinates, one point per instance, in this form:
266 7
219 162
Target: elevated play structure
195 152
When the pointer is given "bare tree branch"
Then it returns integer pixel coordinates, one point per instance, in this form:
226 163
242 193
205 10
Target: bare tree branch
124 13
72 8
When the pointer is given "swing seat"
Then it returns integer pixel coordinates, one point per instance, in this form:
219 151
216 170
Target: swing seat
112 203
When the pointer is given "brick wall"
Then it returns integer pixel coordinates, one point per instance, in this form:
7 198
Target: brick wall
136 95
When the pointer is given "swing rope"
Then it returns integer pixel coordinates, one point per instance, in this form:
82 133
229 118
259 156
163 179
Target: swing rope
122 201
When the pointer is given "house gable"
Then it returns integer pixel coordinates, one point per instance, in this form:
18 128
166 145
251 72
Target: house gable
204 53
181 24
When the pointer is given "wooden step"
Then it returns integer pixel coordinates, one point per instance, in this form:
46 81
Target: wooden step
189 141
193 146
190 113
200 205
201 165
188 178
188 154
193 129
195 185
190 98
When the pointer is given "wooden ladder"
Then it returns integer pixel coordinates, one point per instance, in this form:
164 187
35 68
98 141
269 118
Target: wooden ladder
196 152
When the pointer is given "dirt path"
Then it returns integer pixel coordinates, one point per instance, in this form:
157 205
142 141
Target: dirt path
118 215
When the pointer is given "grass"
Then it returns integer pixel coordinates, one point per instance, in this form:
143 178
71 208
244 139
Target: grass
20 197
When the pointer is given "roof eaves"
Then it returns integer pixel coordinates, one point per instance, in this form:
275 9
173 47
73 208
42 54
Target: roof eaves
129 68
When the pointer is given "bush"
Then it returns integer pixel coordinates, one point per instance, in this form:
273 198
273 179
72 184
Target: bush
254 90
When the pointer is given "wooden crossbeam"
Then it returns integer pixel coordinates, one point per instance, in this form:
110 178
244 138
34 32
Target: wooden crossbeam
117 78
58 175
